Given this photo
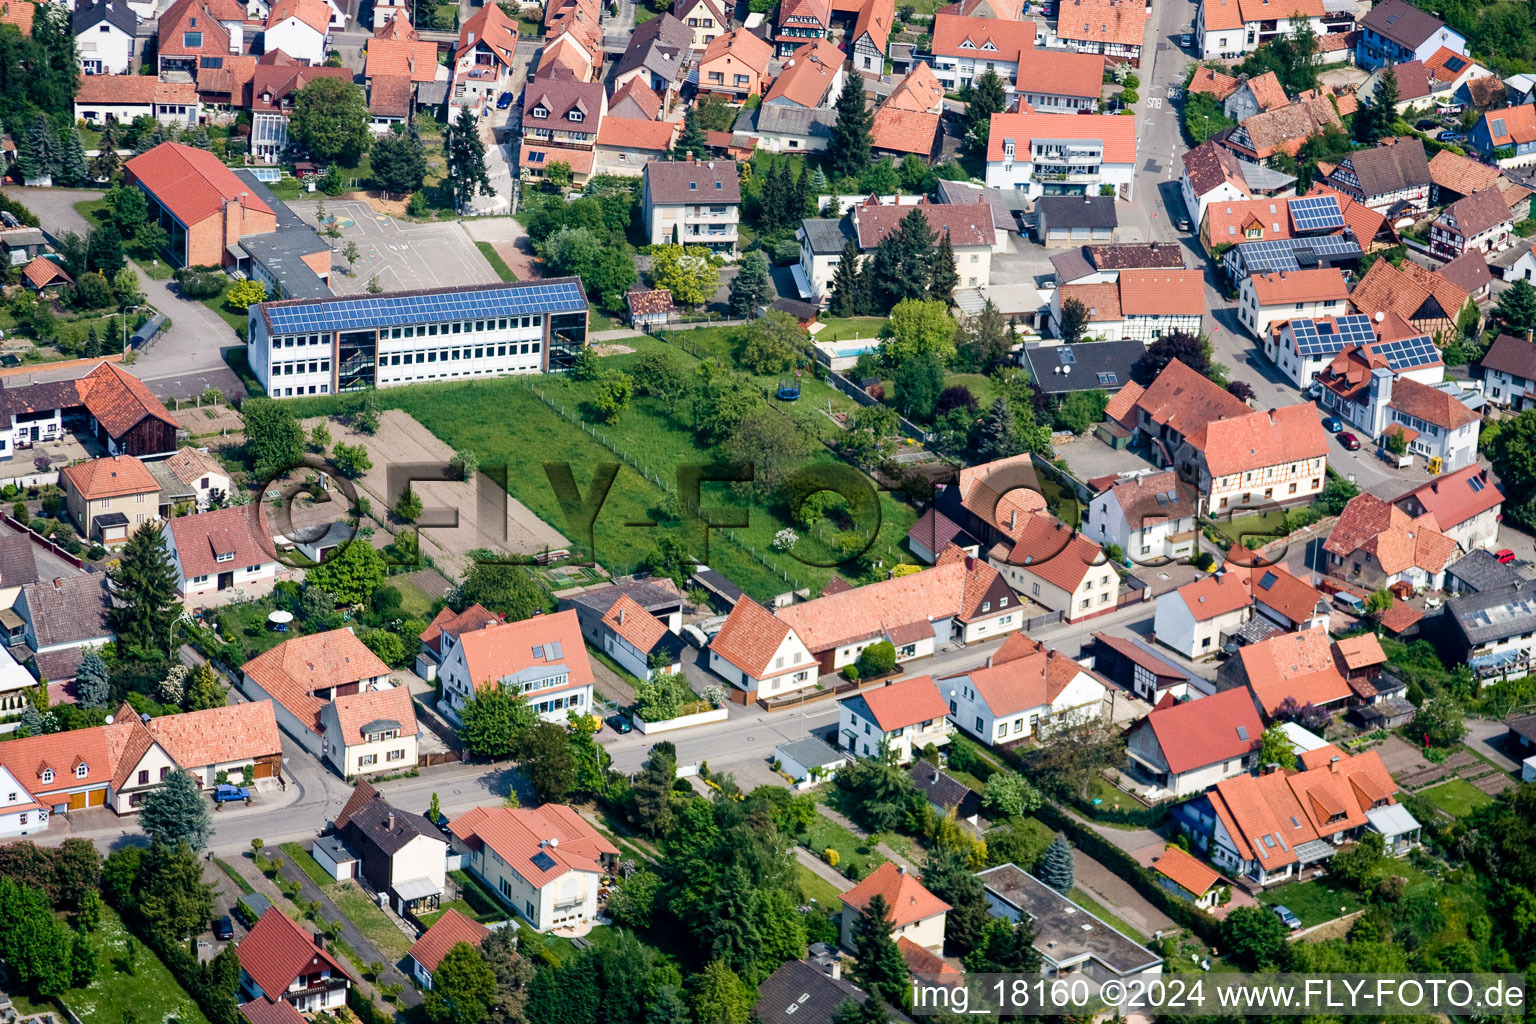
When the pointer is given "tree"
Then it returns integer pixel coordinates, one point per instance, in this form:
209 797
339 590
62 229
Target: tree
1057 869
1336 493
126 284
43 156
751 289
508 590
1192 351
463 987
274 441
1275 747
692 142
849 297
351 574
544 755
494 720
1254 937
903 263
399 163
985 339
999 437
144 599
945 273
1373 122
849 142
1241 390
1441 721
611 395
352 460
719 996
408 506
878 968
1073 322
878 659
1516 309
350 253
129 208
1005 947
770 343
104 251
919 380
320 437
1361 861
466 160
918 327
169 894
658 373
1381 600
688 273
387 646
572 250
513 973
985 98
330 120
73 171
38 947
650 794
772 444
242 295
92 688
559 174
205 691
1080 410
175 812
1008 794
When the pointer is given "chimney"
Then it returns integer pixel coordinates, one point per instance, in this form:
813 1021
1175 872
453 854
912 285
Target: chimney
389 821
319 940
989 661
621 616
1333 764
1013 519
56 583
901 869
970 563
934 777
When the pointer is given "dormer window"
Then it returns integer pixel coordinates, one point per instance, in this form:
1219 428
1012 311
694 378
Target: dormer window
539 112
226 556
576 115
82 770
47 774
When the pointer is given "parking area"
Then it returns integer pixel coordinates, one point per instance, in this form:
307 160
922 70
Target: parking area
402 255
1088 457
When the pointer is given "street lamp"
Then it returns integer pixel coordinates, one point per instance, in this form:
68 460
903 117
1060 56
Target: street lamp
123 312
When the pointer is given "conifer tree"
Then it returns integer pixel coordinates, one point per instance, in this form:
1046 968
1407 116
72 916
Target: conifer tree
846 282
849 143
879 967
999 438
144 601
945 273
1056 869
692 141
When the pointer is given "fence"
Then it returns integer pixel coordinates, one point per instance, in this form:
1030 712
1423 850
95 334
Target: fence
32 480
863 397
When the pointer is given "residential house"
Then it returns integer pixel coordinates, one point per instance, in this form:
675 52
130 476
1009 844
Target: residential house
658 596
1371 228
895 133
1274 826
639 641
692 202
299 28
899 716
867 26
1517 263
1471 273
1212 82
1042 154
920 92
1417 89
200 202
1073 220
1480 222
969 228
810 991
1235 457
1311 217
124 415
369 731
1022 690
443 632
1189 878
784 128
934 533
1058 370
395 69
1197 618
760 654
658 55
1424 298
275 85
1255 96
484 57
1509 373
1183 747
916 914
946 794
1070 939
966 46
710 19
195 474
20 14
1265 299
1464 505
282 961
109 498
543 862
223 550
1150 517
1095 264
448 931
625 147
1136 668
392 19
1283 130
812 77
1140 305
735 65
1303 347
1453 74
1436 421
226 739
60 618
302 676
1059 81
561 121
542 657
1507 136
1394 32
104 36
1112 28
197 36
1376 544
634 101
1212 173
808 761
1230 28
400 854
1290 667
1490 631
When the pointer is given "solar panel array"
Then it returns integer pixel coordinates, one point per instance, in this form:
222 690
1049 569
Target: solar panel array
1316 213
1279 254
1408 353
1321 338
367 312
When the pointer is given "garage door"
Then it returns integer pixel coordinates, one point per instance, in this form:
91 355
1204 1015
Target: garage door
97 797
76 801
264 770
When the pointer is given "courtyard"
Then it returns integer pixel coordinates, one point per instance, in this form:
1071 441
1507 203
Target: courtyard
401 255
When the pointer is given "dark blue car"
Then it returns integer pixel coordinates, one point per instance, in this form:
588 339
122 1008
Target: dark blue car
504 101
1332 424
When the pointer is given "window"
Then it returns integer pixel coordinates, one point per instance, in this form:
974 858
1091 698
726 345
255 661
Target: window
1002 729
539 113
192 40
82 770
47 775
225 556
368 759
395 755
164 772
144 778
980 728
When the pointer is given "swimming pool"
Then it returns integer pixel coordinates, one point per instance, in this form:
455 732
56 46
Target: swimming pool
852 349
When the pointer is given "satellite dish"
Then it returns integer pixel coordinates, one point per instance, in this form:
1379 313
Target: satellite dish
1380 316
108 719
1066 369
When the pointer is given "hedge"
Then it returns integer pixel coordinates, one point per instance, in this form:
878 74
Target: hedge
367 1011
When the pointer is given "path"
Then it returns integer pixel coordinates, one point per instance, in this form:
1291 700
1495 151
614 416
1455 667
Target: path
1128 839
1486 737
832 814
1116 893
822 869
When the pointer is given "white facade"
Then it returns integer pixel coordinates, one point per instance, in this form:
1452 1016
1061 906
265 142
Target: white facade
1280 348
20 815
1226 192
791 668
1142 748
712 225
1217 43
1089 171
1083 699
254 579
956 71
1104 522
1057 103
297 39
564 902
863 736
1175 626
387 750
104 49
927 933
1522 269
546 687
185 115
1258 317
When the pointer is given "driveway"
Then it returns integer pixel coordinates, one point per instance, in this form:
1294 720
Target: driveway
1486 737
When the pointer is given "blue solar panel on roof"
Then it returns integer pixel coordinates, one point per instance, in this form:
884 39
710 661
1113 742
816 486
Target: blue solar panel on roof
1408 353
1280 254
390 311
1316 213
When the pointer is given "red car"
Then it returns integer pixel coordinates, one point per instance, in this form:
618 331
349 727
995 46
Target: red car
1350 442
1505 557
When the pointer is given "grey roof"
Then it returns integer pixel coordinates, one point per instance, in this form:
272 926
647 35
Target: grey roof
1095 365
67 611
257 902
1064 932
661 46
1073 265
1264 179
58 666
827 235
41 397
1076 211
1511 355
940 787
1524 726
370 824
798 993
647 595
810 752
1003 204
1402 23
1391 168
113 12
335 849
1509 257
693 181
18 561
18 238
1496 614
172 487
716 583
280 251
1010 299
1479 571
783 119
1391 820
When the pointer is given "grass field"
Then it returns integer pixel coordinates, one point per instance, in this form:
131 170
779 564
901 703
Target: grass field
481 900
1266 524
824 833
851 327
814 887
370 920
307 863
494 259
1457 798
234 876
148 990
95 211
1315 902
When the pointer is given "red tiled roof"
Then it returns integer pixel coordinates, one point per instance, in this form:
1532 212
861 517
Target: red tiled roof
504 649
357 710
118 399
1216 595
1262 438
1122 402
1184 870
1002 40
1336 795
491 26
1185 401
1162 292
202 538
414 58
1360 651
191 183
966 224
908 702
750 637
278 950
1267 91
293 670
1398 540
141 89
580 161
807 74
904 131
920 90
267 1011
1196 733
641 95
1400 617
43 272
1519 125
924 962
1300 286
389 95
1117 132
455 623
1298 665
1029 679
314 13
111 476
908 900
235 732
1210 81
446 932
632 622
1061 73
19 13
753 52
1263 817
1457 497
519 835
1431 404
1103 21
1461 174
632 133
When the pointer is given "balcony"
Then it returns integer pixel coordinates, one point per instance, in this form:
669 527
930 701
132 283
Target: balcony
1071 177
569 903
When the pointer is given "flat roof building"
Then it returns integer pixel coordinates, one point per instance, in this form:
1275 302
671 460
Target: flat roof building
326 345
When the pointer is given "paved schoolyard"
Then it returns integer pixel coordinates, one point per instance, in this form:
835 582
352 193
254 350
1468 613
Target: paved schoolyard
403 255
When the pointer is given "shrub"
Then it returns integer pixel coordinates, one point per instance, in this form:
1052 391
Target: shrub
877 659
851 673
831 856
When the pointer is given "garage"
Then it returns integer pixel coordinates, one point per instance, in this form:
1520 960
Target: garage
265 769
97 798
77 801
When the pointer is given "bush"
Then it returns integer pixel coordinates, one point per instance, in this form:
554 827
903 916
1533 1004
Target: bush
831 856
851 673
878 659
201 284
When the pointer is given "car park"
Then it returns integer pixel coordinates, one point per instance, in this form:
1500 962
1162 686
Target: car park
1350 442
1332 424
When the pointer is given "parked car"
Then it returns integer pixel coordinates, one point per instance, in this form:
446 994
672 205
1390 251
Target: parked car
223 929
1313 392
1505 556
1451 137
224 794
1182 224
1186 41
1287 918
1350 603
622 724
1427 124
1350 442
1332 424
504 101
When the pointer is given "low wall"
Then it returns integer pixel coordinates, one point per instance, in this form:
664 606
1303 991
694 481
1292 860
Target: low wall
681 722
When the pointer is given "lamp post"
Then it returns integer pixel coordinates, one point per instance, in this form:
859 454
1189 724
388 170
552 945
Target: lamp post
123 312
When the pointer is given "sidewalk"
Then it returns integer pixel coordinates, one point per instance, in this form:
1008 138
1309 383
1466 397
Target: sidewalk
822 869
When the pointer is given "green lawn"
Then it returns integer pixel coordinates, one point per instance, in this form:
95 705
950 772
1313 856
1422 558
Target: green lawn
861 853
413 600
482 902
1266 524
95 211
1457 797
307 863
1315 902
234 876
370 920
1098 910
494 259
149 990
814 887
838 329
246 625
